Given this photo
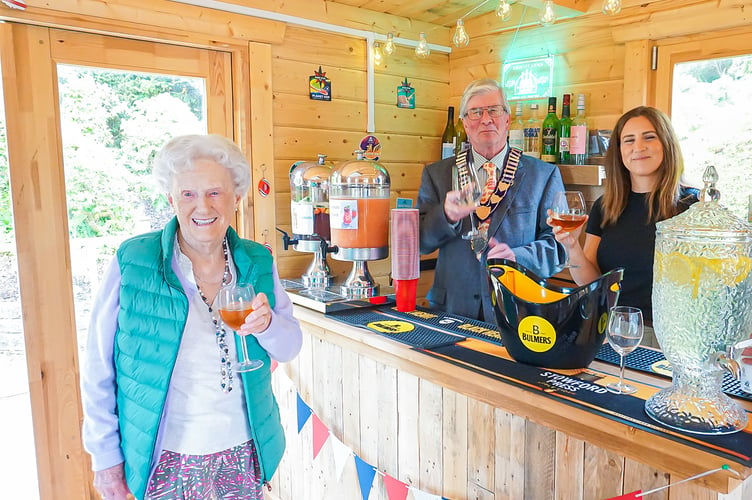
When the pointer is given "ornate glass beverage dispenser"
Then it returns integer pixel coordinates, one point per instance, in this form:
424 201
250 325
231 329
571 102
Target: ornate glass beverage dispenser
359 217
702 310
309 212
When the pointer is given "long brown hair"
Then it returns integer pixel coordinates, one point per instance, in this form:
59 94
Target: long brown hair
662 200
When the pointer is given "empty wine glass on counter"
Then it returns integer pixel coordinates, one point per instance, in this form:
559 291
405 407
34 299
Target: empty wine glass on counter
568 211
234 305
624 334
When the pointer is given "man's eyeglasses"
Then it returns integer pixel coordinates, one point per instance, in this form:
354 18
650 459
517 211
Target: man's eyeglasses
475 114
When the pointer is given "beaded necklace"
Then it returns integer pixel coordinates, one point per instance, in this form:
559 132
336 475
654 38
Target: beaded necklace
225 367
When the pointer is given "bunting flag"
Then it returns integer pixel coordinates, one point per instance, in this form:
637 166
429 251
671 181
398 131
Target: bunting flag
395 489
629 496
275 364
320 435
422 495
15 4
304 413
366 473
341 455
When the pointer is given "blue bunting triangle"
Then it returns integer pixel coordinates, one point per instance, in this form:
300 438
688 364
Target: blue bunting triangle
366 473
304 413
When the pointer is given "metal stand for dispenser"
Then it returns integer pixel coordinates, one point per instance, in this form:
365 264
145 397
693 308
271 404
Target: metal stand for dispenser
360 284
318 274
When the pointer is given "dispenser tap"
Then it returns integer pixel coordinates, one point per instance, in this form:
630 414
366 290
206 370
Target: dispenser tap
286 240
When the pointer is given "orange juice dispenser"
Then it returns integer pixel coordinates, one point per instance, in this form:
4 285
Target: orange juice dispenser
359 218
309 213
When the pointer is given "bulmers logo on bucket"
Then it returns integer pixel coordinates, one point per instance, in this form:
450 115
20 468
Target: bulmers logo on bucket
536 333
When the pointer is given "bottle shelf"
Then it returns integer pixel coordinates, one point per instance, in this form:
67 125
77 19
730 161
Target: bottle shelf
583 175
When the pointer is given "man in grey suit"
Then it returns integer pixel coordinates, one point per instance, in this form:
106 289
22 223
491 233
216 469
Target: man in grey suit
516 226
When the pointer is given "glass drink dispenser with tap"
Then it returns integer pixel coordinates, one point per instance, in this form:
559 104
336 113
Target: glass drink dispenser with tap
309 213
359 217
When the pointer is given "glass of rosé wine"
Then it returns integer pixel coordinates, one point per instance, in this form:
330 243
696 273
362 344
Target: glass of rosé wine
568 212
234 305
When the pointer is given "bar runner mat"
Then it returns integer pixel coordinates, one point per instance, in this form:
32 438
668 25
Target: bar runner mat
585 389
642 359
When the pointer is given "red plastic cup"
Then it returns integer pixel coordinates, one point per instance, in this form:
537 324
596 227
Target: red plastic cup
405 292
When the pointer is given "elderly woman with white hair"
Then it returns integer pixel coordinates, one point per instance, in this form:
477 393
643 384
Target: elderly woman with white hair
164 417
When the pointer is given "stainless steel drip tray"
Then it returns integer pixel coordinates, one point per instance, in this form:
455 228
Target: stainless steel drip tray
327 300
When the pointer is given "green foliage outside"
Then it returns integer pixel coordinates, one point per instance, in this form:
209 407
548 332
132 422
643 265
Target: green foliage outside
113 123
712 114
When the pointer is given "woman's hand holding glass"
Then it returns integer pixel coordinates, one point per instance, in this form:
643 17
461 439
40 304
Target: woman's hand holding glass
244 312
567 217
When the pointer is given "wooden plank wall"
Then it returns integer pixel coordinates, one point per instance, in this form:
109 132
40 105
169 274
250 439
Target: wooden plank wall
304 128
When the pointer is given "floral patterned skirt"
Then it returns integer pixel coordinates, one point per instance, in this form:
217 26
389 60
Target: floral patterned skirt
232 474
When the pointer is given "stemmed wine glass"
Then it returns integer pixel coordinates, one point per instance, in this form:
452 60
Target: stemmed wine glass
234 305
568 211
466 182
624 334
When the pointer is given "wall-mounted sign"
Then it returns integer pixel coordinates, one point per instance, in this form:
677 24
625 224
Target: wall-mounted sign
319 86
405 95
371 147
528 78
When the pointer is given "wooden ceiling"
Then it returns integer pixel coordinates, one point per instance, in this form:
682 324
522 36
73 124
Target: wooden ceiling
446 12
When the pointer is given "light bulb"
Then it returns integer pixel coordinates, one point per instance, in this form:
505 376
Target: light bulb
547 14
389 45
378 56
611 7
421 50
504 10
460 38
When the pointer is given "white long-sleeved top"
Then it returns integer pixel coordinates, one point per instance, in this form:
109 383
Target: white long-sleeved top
187 413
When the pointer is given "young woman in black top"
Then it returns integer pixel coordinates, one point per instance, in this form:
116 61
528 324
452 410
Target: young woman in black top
644 167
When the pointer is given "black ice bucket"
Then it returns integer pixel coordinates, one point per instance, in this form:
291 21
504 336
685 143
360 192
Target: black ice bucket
546 325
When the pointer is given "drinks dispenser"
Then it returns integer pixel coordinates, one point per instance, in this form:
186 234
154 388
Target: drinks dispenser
309 212
702 312
359 217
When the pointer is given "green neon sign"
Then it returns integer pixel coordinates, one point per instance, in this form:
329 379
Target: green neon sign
528 78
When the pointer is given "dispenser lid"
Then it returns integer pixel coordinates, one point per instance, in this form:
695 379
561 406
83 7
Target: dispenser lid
706 219
311 173
360 171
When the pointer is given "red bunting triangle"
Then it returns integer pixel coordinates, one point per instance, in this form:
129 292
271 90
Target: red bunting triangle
275 364
635 495
320 435
395 489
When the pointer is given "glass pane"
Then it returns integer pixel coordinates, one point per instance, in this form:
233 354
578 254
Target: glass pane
113 122
712 114
18 463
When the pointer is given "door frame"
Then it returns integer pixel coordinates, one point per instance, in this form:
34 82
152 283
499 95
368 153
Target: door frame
29 55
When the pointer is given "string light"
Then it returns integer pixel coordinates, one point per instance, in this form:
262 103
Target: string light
378 56
422 51
504 10
389 45
460 38
547 14
611 7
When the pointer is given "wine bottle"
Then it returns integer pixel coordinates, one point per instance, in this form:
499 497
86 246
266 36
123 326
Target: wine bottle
460 137
549 133
447 138
578 143
517 129
565 131
532 144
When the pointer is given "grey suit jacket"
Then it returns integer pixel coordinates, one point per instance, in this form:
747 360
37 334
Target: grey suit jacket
460 284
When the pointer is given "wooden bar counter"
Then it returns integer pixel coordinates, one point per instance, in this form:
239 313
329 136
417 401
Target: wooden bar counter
446 430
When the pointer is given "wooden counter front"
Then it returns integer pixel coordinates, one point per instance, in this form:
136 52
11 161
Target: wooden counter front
448 431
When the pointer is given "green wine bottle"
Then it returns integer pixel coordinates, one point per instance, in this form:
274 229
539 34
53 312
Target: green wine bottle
550 132
460 137
447 138
565 131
